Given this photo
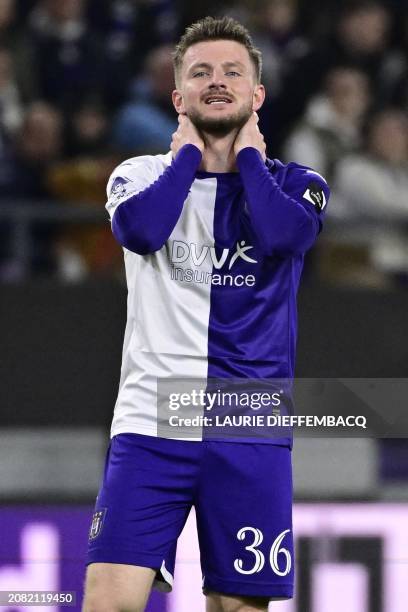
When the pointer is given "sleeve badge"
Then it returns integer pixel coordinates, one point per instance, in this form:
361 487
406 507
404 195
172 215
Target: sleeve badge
315 195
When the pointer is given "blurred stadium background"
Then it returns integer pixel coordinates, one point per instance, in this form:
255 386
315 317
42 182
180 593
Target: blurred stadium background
85 84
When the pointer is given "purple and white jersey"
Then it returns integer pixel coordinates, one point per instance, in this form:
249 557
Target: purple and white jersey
213 263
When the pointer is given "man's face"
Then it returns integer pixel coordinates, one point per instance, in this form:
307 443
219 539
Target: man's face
217 86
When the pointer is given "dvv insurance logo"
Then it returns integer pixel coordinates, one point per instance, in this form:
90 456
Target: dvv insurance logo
191 262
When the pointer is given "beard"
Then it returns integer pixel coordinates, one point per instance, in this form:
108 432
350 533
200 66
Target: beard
220 126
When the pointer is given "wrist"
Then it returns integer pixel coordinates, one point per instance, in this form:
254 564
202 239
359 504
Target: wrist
248 150
249 157
199 145
190 151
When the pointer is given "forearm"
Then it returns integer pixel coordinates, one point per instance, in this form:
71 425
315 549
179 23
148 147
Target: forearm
281 224
144 221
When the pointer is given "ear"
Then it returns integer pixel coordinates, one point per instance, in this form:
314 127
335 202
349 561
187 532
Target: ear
178 102
258 97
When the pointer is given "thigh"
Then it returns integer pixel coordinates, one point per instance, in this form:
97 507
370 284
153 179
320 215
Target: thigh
244 519
143 503
111 587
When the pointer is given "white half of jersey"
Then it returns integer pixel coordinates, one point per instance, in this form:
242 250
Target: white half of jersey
167 321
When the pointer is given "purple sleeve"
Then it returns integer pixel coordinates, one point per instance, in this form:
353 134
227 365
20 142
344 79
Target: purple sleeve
144 221
284 221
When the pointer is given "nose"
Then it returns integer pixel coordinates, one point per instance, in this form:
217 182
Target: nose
218 80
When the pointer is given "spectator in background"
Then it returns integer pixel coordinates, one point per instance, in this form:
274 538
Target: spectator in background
80 180
370 195
332 123
360 38
365 35
145 125
66 53
39 143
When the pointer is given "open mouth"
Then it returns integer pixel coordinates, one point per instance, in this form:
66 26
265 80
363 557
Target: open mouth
217 100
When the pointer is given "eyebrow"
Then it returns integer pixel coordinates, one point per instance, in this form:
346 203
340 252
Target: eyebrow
209 66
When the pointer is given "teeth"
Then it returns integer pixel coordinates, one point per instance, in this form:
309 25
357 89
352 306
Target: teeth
217 102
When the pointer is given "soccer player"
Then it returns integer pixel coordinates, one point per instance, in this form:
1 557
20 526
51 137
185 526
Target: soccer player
214 235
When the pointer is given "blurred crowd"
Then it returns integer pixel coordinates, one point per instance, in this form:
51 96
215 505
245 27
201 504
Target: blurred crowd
85 84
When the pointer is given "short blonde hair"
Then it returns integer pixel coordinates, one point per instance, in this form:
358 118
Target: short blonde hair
209 28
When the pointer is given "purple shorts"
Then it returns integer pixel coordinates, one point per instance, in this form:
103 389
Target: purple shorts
242 494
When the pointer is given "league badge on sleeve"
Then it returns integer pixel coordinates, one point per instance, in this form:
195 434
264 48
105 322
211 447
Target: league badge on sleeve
118 189
315 195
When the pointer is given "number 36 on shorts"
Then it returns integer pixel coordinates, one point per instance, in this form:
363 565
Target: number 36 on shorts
280 565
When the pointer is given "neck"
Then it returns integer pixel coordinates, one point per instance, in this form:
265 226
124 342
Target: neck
219 153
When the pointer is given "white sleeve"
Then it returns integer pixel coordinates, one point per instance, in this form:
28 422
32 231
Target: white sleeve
129 178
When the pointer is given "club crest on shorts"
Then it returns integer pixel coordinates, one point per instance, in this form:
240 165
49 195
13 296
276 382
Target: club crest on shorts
97 523
315 195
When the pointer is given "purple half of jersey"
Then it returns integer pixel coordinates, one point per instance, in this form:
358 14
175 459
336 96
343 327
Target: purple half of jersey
265 217
251 332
